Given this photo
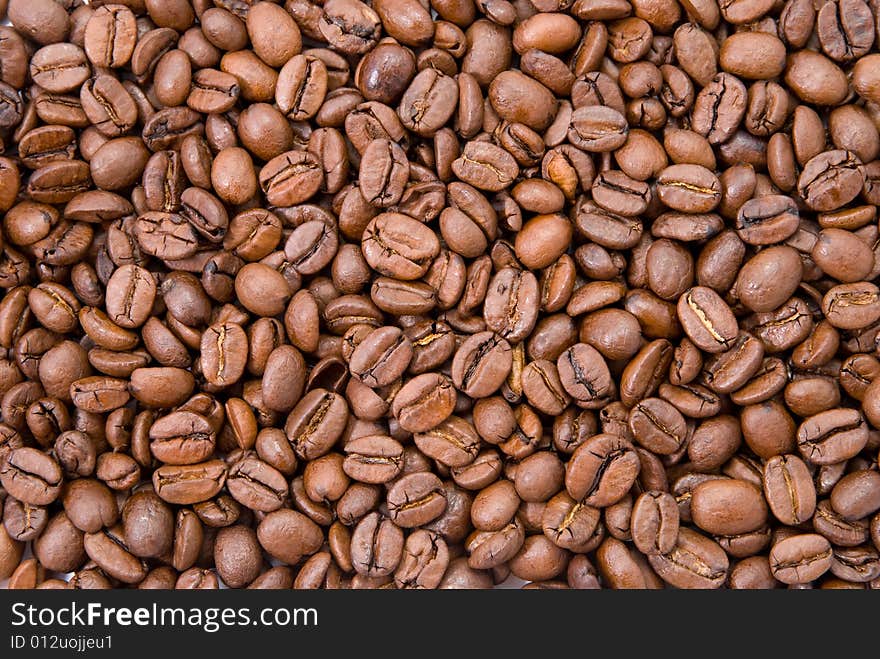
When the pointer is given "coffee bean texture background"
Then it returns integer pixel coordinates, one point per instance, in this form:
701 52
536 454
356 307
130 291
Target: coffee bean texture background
421 294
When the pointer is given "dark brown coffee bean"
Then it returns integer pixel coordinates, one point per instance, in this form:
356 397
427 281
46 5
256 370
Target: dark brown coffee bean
182 438
657 426
188 484
148 524
316 423
398 246
110 36
109 107
486 166
373 459
706 319
851 306
289 536
767 220
655 523
601 470
384 172
689 188
423 402
800 558
31 476
23 521
728 507
695 562
481 364
832 436
224 353
130 294
830 180
416 499
428 102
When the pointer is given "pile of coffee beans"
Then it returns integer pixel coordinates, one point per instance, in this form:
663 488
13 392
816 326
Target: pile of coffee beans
436 293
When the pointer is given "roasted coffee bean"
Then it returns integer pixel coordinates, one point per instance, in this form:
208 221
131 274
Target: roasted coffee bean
485 166
601 470
767 220
832 436
428 102
188 484
416 499
657 426
695 562
108 106
316 423
855 495
223 353
23 521
376 546
655 521
110 36
706 319
830 180
689 188
148 524
585 376
800 558
481 364
719 108
182 438
728 507
398 246
789 489
31 476
852 306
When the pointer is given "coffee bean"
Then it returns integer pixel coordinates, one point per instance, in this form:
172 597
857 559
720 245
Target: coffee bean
657 425
428 102
110 36
31 476
800 558
832 436
481 364
690 188
416 499
316 422
288 535
485 166
424 402
224 353
601 470
728 507
148 524
107 548
188 484
815 79
585 376
830 180
130 294
23 521
398 246
694 562
851 306
655 520
855 495
182 438
706 319
376 546
767 220
719 108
